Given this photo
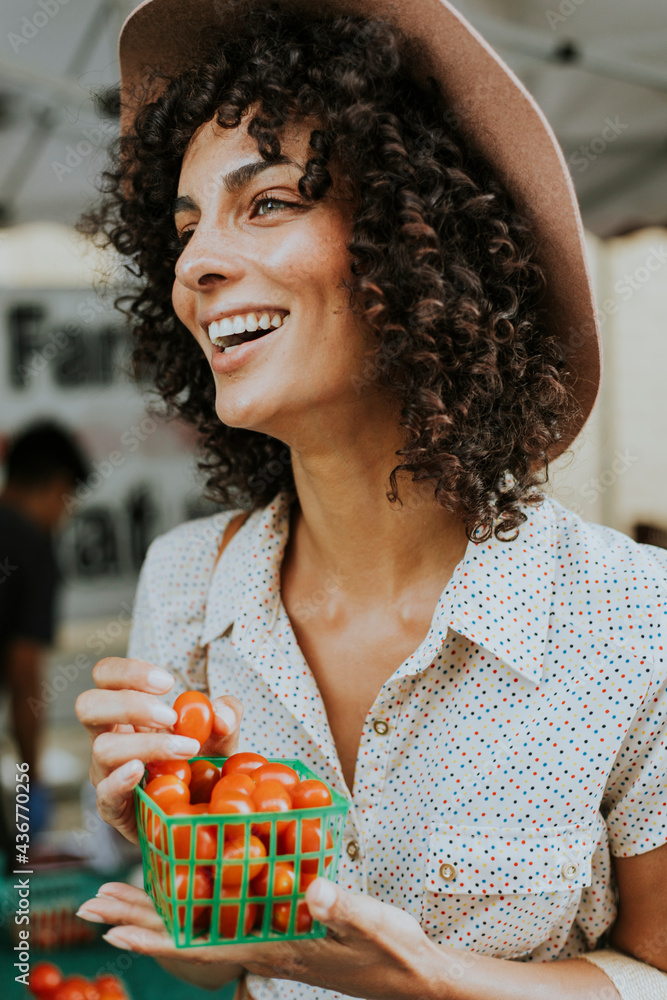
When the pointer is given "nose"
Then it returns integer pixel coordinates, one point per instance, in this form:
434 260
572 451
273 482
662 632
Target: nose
208 260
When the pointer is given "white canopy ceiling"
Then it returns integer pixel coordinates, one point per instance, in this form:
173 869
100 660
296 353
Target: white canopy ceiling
597 67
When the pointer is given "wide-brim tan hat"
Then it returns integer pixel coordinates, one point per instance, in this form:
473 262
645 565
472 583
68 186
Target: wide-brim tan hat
497 115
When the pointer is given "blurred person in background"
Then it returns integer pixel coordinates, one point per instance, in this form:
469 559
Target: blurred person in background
43 465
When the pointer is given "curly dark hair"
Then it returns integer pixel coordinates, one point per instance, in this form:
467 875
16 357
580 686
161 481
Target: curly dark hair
442 265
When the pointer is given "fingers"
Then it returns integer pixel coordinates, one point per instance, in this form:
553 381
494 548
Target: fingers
117 673
224 739
133 908
115 802
102 709
112 750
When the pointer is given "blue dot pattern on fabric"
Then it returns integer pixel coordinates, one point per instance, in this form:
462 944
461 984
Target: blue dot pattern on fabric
526 736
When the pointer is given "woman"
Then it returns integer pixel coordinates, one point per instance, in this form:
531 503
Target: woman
334 276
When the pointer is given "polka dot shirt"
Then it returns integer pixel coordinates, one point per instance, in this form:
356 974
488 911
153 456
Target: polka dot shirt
523 741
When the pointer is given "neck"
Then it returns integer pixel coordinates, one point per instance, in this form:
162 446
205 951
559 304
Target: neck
344 527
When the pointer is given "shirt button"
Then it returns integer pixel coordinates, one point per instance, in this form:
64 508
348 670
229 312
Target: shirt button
380 727
448 872
352 848
569 870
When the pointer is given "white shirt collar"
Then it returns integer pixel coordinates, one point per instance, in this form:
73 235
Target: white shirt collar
499 595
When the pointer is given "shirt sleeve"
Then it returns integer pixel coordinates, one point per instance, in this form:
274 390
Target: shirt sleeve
635 798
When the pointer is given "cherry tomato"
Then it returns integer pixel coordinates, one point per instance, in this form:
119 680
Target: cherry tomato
246 763
235 850
270 796
305 879
44 978
238 781
180 768
206 842
224 802
311 840
228 920
283 880
199 808
75 988
277 772
204 777
280 917
202 888
110 987
195 716
168 791
311 793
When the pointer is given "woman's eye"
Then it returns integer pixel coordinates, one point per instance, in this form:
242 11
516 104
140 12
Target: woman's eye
271 205
183 237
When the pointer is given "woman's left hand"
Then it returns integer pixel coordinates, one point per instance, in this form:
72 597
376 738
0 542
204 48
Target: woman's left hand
372 950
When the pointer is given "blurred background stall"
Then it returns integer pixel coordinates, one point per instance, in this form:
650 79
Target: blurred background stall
599 70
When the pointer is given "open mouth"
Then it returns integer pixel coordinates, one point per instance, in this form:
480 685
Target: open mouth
231 331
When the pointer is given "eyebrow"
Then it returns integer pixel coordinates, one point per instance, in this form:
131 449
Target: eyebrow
233 182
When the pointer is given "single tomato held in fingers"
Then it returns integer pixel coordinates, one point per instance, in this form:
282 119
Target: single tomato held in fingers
281 913
235 850
180 768
168 791
283 880
228 919
244 762
203 778
311 840
44 978
195 716
310 794
270 796
277 772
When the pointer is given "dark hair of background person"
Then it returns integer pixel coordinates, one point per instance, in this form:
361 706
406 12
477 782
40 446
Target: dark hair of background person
41 451
441 264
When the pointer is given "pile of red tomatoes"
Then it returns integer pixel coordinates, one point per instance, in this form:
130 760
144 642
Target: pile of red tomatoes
46 982
246 784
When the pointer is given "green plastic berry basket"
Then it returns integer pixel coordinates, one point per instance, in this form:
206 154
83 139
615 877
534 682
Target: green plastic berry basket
214 902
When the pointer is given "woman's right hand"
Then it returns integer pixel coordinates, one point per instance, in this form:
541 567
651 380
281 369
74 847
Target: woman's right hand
129 724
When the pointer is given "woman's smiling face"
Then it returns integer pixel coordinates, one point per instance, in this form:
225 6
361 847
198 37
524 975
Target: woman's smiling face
257 254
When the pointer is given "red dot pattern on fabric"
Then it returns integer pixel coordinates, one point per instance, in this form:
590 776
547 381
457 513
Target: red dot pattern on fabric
527 735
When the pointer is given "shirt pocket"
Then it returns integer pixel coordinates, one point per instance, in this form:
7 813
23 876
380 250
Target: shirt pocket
484 861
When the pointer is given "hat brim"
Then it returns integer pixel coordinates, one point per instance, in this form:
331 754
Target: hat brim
496 113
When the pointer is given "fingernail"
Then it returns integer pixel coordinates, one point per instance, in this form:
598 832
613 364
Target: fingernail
182 745
322 896
159 680
227 716
163 715
116 942
89 915
132 769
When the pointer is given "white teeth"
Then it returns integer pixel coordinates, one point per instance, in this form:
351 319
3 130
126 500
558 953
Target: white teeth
242 323
233 346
